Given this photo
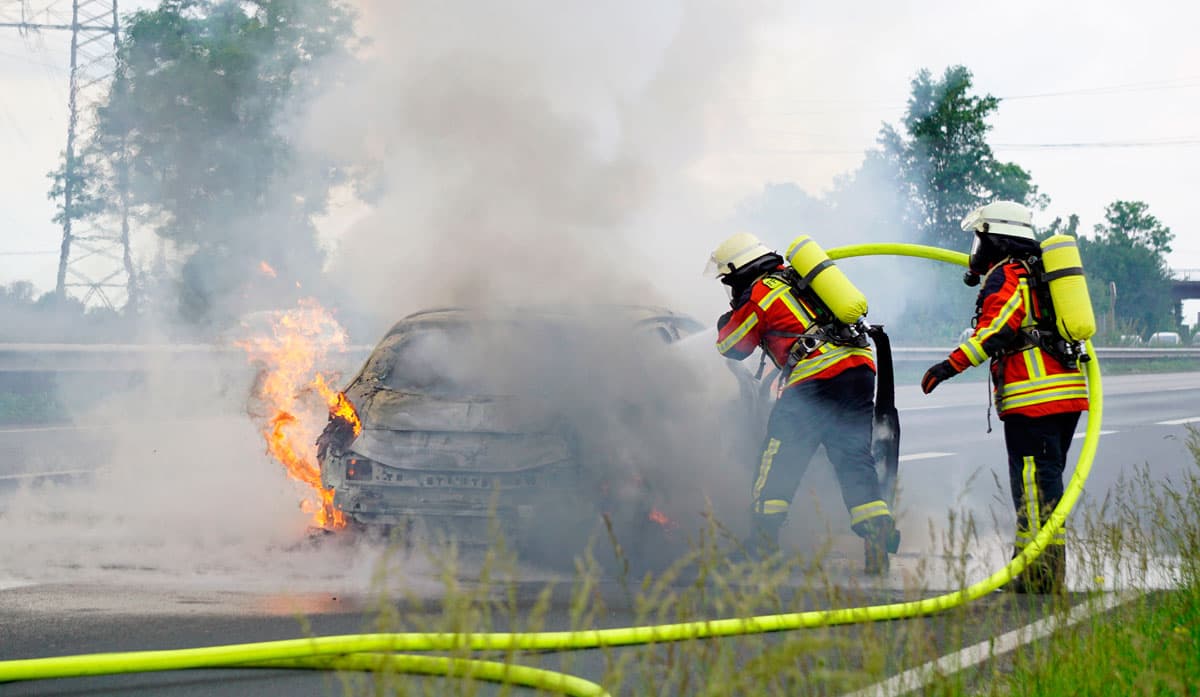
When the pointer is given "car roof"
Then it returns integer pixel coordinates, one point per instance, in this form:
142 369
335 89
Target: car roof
634 314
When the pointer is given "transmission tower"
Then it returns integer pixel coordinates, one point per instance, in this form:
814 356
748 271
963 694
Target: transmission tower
95 262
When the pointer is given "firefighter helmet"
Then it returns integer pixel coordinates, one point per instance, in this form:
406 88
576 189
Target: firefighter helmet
1007 218
736 252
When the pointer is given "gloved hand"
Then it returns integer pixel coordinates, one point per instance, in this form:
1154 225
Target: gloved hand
936 374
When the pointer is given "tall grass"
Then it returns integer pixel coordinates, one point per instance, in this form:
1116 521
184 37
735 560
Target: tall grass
1148 530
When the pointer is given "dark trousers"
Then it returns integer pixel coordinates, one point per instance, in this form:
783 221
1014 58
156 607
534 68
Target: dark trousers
837 413
1037 456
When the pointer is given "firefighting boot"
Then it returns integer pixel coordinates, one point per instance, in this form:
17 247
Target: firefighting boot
1046 575
879 538
764 535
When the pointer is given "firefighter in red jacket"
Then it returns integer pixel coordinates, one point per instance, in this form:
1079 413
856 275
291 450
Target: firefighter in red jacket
827 398
1039 396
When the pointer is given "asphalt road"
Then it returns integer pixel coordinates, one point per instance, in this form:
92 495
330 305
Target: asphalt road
89 563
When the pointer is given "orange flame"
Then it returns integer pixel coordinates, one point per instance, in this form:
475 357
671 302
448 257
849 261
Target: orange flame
661 518
266 269
285 398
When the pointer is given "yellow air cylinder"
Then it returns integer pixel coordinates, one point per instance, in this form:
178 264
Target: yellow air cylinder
845 301
1063 269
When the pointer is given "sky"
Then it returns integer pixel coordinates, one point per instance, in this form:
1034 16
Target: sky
1100 101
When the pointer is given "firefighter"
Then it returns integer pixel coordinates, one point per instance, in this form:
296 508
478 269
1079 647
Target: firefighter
827 398
1039 396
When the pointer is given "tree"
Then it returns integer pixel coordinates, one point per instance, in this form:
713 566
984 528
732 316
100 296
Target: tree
200 89
946 167
1129 250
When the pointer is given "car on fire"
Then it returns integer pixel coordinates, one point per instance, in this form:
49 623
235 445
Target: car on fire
554 427
522 421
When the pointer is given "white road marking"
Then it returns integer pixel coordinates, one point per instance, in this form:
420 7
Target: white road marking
7 584
923 456
1178 422
1081 434
916 678
38 475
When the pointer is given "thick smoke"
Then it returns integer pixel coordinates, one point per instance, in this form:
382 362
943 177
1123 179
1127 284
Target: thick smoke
546 154
521 153
538 154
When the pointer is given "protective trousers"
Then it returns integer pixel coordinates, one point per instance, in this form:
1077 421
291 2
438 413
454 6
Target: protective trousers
1037 456
838 413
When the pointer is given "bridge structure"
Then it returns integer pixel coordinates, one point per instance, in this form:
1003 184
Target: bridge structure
1185 284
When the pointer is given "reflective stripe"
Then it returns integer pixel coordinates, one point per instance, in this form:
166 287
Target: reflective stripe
764 467
867 511
973 351
769 299
1000 321
774 506
1032 514
827 356
740 333
1035 364
1039 390
791 251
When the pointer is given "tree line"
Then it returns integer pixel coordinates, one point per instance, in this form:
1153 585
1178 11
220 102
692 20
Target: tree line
188 140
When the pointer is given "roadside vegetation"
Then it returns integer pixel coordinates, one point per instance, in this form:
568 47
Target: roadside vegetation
1147 533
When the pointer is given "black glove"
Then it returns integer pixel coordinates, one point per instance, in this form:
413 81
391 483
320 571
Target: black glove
936 374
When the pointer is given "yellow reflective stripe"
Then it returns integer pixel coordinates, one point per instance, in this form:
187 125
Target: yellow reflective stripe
769 299
973 351
1020 387
1032 513
1043 397
1001 319
1023 287
1027 393
867 511
738 334
800 313
774 506
764 467
832 354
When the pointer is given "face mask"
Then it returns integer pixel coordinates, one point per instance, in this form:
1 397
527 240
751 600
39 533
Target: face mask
982 255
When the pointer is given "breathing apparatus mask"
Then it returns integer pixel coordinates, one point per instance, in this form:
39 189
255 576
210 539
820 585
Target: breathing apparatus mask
740 280
984 253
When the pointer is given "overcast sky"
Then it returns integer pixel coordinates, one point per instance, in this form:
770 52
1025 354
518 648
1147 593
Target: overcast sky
1100 102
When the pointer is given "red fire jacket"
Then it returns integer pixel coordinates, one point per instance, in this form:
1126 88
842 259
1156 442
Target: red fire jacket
771 317
1027 380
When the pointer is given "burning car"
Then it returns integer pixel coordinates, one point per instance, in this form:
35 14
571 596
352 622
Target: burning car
536 422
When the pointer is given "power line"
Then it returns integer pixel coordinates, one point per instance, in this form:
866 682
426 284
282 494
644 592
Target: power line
29 253
1178 142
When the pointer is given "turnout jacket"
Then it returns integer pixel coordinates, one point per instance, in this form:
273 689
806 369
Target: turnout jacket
1027 380
769 315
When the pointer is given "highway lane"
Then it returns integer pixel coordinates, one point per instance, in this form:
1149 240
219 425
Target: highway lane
158 597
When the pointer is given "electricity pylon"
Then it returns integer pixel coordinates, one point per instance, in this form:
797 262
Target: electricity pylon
95 261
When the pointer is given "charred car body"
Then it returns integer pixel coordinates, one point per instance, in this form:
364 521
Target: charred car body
537 424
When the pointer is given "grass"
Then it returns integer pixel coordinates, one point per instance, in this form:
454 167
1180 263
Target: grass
1150 646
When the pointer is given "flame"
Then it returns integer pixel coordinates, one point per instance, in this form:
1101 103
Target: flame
661 518
266 269
285 398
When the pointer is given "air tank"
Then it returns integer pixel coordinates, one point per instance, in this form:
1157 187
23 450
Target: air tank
827 281
1062 269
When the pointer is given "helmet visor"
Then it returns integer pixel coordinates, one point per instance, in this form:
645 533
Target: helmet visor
711 269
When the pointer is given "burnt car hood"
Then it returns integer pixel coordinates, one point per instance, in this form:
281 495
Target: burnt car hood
478 434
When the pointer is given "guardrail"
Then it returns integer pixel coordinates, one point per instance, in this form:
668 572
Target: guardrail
56 358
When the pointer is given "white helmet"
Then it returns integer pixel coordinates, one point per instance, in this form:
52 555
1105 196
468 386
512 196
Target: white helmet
734 253
1007 218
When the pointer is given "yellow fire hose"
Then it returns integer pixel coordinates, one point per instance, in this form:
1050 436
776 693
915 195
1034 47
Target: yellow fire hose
376 651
